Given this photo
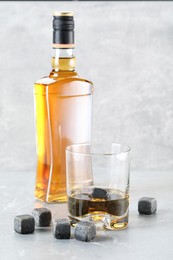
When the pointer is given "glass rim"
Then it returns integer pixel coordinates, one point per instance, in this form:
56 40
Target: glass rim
126 150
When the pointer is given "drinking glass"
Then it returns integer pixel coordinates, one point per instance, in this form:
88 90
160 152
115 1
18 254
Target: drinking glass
98 184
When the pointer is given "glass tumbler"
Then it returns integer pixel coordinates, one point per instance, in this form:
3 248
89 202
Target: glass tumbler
98 184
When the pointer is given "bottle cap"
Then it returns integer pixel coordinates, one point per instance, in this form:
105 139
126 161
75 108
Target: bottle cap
63 30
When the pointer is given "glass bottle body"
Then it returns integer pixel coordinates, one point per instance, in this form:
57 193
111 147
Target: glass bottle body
63 107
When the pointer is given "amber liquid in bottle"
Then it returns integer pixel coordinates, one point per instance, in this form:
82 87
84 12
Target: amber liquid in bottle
63 104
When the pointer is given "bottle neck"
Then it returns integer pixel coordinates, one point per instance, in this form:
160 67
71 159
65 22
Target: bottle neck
63 60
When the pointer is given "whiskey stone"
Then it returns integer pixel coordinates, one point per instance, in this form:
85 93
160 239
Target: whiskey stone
77 206
61 229
147 205
24 224
99 193
42 217
117 207
85 231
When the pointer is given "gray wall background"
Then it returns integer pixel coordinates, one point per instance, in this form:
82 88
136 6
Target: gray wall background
125 48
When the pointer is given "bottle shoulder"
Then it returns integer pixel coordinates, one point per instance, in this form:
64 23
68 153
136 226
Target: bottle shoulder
52 80
63 86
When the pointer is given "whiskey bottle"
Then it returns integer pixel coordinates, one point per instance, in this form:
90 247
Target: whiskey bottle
63 107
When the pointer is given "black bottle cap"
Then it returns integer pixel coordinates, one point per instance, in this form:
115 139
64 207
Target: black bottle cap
63 30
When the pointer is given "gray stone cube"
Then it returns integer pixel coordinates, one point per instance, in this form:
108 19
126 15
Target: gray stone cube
24 224
61 229
99 193
85 231
147 205
42 217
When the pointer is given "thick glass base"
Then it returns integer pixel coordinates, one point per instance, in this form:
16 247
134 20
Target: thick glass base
107 221
113 223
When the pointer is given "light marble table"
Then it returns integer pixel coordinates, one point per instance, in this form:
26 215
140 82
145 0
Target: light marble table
147 237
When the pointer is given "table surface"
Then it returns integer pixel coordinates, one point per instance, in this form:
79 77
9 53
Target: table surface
147 237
